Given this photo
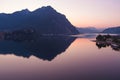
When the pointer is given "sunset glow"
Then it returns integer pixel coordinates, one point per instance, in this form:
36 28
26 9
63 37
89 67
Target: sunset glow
81 13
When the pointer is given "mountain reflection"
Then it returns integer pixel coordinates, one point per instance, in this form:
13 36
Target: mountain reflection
103 41
46 48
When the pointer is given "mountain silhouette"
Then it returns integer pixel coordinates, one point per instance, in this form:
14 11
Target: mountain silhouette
46 48
114 30
43 20
88 30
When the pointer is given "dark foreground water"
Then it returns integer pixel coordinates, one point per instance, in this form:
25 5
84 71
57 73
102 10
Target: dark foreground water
58 58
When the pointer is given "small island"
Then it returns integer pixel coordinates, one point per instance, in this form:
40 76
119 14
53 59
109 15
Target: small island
108 40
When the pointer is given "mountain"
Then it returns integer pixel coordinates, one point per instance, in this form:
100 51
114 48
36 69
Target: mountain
44 20
88 30
114 30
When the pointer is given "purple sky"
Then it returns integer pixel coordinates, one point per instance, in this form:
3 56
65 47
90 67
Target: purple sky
81 13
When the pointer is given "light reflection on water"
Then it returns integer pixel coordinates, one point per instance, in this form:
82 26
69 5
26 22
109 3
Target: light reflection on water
81 60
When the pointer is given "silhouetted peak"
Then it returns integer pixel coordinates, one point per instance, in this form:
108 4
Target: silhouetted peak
24 11
45 9
49 7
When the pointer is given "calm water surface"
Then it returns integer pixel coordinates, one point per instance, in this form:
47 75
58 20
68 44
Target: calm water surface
53 58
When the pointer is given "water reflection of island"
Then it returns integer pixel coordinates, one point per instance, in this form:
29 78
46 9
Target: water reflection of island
45 48
108 40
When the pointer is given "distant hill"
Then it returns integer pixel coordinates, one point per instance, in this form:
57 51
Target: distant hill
44 20
115 30
88 30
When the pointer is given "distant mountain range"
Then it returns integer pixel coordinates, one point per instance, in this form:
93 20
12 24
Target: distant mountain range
115 30
44 20
88 30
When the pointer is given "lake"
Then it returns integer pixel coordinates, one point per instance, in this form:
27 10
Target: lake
58 58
